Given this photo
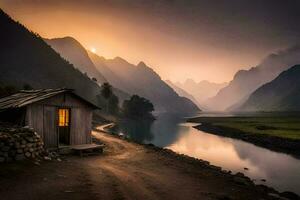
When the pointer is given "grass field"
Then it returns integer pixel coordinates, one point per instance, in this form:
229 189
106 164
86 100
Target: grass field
284 127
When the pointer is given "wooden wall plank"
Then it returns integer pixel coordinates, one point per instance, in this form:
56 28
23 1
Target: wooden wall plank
49 129
42 116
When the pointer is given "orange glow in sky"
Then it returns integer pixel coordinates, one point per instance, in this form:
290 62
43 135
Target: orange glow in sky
174 47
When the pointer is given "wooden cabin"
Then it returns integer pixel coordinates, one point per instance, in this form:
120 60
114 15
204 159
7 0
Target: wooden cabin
60 116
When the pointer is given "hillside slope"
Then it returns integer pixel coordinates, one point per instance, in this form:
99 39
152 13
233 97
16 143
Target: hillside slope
281 94
247 81
70 49
142 80
74 52
26 59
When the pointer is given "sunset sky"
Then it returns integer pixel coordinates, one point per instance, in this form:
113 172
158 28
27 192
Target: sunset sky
179 39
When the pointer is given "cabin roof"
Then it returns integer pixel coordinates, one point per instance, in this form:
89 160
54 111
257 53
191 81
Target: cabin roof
26 97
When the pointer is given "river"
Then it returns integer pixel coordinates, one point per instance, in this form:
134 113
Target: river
264 166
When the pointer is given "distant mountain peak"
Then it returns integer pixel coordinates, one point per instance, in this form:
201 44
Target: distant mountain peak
142 80
69 48
189 80
247 81
142 64
119 59
281 94
66 39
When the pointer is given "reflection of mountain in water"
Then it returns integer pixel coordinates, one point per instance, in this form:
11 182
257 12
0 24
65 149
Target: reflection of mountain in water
166 129
162 132
138 130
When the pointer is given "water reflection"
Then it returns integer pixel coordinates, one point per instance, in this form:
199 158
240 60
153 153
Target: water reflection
280 170
138 130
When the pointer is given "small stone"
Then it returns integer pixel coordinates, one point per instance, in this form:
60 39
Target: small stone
68 191
47 158
263 180
61 176
27 154
29 145
19 157
37 163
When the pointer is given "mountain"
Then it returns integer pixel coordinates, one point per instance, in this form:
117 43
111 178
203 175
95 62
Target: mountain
26 59
281 94
70 49
247 81
74 52
112 77
201 90
142 80
181 92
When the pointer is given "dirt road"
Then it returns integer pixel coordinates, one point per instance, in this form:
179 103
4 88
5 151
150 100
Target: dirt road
125 171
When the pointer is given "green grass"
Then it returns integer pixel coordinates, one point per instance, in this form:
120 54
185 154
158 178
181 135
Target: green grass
284 127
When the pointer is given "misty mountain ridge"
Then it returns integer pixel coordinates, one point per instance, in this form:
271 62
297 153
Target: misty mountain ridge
73 51
183 93
247 81
144 81
281 94
70 49
200 90
133 79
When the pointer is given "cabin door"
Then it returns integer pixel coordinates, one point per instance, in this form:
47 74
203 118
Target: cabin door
64 126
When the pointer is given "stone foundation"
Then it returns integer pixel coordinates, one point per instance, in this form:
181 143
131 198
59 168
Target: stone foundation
19 144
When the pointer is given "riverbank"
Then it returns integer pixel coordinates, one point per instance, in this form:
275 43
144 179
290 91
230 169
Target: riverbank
281 134
128 170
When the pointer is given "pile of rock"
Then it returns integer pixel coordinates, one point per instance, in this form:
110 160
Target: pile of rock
19 144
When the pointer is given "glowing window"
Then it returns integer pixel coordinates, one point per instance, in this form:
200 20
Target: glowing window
63 117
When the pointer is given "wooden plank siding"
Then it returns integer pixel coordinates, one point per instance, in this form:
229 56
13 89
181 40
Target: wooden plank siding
34 117
49 127
42 116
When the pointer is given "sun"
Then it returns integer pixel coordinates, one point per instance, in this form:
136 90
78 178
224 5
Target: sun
93 50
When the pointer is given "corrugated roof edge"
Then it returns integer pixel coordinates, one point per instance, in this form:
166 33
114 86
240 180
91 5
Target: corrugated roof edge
26 97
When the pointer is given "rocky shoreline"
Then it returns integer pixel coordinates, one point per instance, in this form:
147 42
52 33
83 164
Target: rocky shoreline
274 143
239 178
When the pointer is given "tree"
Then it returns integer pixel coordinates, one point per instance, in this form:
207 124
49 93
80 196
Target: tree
106 93
138 107
27 87
113 105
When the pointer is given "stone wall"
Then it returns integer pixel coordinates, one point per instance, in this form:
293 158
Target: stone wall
19 144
